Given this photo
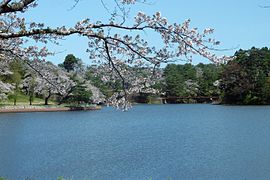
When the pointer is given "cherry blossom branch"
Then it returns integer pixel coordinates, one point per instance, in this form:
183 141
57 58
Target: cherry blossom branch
115 68
118 52
7 7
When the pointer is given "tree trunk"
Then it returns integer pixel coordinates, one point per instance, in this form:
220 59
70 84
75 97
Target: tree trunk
47 99
60 100
30 101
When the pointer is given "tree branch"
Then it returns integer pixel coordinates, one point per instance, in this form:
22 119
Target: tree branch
114 67
7 7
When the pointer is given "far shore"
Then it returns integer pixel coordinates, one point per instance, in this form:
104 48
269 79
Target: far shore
14 109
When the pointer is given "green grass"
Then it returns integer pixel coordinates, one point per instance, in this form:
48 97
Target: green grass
24 100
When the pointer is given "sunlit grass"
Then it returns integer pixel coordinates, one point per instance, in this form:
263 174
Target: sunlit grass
24 100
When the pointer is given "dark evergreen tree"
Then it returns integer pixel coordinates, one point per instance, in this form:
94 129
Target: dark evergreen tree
70 62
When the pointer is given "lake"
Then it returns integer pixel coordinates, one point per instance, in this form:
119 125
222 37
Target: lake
186 141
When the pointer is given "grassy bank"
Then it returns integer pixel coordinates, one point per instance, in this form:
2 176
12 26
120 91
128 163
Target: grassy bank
38 105
24 100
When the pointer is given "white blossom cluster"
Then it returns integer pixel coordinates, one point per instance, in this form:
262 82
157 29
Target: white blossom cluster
191 87
5 88
48 79
137 80
97 97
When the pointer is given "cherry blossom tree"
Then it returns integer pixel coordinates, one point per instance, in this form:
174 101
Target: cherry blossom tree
5 88
116 44
49 80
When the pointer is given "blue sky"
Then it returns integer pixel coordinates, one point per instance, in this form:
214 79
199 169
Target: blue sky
237 23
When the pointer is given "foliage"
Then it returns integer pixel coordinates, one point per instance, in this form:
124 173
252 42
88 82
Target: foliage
16 78
79 94
112 87
107 88
70 62
190 81
31 90
23 99
246 78
174 81
207 77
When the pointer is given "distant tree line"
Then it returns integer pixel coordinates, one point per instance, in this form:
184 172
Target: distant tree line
246 79
191 81
243 80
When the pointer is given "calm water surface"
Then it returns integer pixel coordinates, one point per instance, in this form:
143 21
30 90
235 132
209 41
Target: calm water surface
148 142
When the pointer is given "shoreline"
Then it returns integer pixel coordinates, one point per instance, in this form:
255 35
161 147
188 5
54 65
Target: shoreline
10 109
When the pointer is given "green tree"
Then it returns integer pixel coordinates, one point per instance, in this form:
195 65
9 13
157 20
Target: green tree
246 79
266 90
207 75
70 62
80 94
31 91
16 78
178 79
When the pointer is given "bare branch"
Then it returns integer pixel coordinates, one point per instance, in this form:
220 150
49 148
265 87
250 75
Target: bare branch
74 5
264 6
